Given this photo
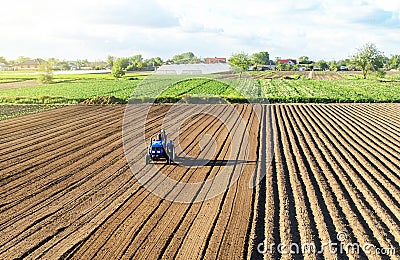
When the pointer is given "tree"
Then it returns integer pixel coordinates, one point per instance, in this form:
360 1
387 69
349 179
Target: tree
241 60
117 69
368 57
3 60
393 62
260 58
135 62
124 62
78 64
85 63
64 65
46 72
110 60
152 63
155 62
322 64
333 66
283 66
185 58
304 60
22 59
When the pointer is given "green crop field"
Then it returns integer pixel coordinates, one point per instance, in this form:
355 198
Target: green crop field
200 87
72 89
10 111
274 86
303 90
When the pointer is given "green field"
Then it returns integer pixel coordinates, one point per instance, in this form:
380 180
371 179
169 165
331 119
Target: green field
72 89
10 111
304 90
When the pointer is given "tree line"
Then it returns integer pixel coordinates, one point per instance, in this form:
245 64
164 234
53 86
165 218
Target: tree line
367 58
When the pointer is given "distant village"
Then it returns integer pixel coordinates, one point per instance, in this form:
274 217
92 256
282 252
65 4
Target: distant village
256 62
34 64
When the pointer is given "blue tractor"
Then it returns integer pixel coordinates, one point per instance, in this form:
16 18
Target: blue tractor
159 149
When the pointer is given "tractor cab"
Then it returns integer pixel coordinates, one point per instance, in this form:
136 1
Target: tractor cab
159 149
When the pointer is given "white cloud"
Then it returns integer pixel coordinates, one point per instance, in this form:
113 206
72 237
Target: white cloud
93 29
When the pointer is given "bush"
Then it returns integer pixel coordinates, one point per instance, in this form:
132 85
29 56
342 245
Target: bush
45 78
117 69
45 73
381 73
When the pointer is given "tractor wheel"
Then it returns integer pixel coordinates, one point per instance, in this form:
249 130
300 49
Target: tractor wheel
168 160
147 159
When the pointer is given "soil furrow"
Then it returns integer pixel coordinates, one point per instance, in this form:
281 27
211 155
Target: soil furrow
379 118
374 131
366 143
29 131
386 190
321 226
119 146
152 245
113 234
371 217
67 190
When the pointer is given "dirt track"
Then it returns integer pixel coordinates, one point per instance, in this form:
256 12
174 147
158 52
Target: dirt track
19 84
66 189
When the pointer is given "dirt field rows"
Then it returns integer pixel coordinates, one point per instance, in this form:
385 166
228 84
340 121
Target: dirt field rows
327 75
66 189
321 75
336 170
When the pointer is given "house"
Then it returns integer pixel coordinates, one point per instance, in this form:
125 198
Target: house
291 62
72 66
302 68
29 65
215 60
270 66
2 66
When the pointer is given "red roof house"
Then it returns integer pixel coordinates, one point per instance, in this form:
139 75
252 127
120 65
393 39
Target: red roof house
215 60
288 61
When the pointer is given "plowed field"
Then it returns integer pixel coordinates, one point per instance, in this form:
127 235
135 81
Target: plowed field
67 191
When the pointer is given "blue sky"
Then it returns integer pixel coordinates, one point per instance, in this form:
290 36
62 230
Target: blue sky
93 29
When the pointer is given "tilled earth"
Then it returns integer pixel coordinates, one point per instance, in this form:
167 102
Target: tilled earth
67 191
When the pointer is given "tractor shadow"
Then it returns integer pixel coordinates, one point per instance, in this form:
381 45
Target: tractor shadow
188 161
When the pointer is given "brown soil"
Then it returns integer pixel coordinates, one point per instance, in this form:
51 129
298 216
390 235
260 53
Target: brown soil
105 100
66 190
19 84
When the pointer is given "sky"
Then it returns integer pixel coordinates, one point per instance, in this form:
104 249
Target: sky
94 29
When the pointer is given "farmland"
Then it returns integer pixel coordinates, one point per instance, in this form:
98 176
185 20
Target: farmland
67 190
67 89
287 87
326 87
9 111
289 91
74 183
